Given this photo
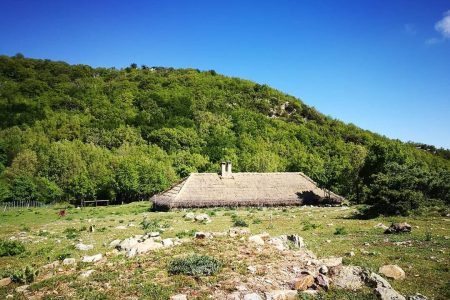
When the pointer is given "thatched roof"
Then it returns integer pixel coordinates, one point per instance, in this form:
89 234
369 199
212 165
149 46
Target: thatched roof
243 189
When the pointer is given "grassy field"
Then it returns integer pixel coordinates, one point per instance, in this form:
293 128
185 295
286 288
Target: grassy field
423 253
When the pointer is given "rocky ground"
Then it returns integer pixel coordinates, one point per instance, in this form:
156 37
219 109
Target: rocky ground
256 264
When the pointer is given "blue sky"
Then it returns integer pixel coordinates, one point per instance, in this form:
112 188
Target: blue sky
382 65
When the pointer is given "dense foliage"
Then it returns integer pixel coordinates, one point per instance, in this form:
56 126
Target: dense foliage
195 265
72 132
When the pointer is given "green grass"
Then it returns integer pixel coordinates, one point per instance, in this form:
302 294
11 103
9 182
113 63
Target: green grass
424 258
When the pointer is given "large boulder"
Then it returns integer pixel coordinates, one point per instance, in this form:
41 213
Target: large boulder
5 281
202 218
392 271
256 239
398 228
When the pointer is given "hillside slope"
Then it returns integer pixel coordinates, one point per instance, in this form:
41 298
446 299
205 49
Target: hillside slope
71 132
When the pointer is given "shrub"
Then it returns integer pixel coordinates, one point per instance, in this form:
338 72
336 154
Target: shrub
308 226
186 233
195 265
153 225
11 248
27 275
71 233
257 221
340 231
238 221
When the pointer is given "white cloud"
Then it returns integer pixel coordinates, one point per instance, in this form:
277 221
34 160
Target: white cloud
433 41
443 25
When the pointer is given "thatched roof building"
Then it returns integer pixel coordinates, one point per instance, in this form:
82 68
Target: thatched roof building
243 189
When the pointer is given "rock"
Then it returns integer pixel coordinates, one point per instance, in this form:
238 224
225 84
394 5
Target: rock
296 240
113 252
202 235
304 282
282 295
69 261
121 227
178 297
417 296
9 296
312 293
5 281
114 243
153 234
392 271
351 254
167 243
92 228
84 247
374 280
128 243
383 293
348 277
52 265
279 243
256 239
93 258
252 296
398 228
381 225
252 269
235 231
86 274
22 288
323 282
331 262
144 247
203 218
323 269
189 216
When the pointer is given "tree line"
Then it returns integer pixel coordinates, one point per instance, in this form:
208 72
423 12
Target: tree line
72 132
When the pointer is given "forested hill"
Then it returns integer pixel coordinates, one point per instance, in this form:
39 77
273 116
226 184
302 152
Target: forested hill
70 132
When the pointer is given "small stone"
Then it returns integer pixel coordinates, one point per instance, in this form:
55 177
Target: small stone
52 265
114 243
251 269
93 258
332 262
323 269
153 234
392 271
178 297
252 296
202 235
189 216
84 247
323 281
69 261
381 225
5 281
86 274
121 227
203 218
167 242
398 228
9 296
328 241
303 282
282 295
256 239
417 296
351 254
22 288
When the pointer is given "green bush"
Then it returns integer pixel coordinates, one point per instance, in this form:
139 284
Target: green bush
238 221
195 265
26 276
340 231
71 233
308 226
11 248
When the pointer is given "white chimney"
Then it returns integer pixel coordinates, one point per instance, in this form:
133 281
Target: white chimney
229 168
223 169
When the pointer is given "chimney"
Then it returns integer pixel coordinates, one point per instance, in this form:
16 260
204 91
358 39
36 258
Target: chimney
225 169
229 168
